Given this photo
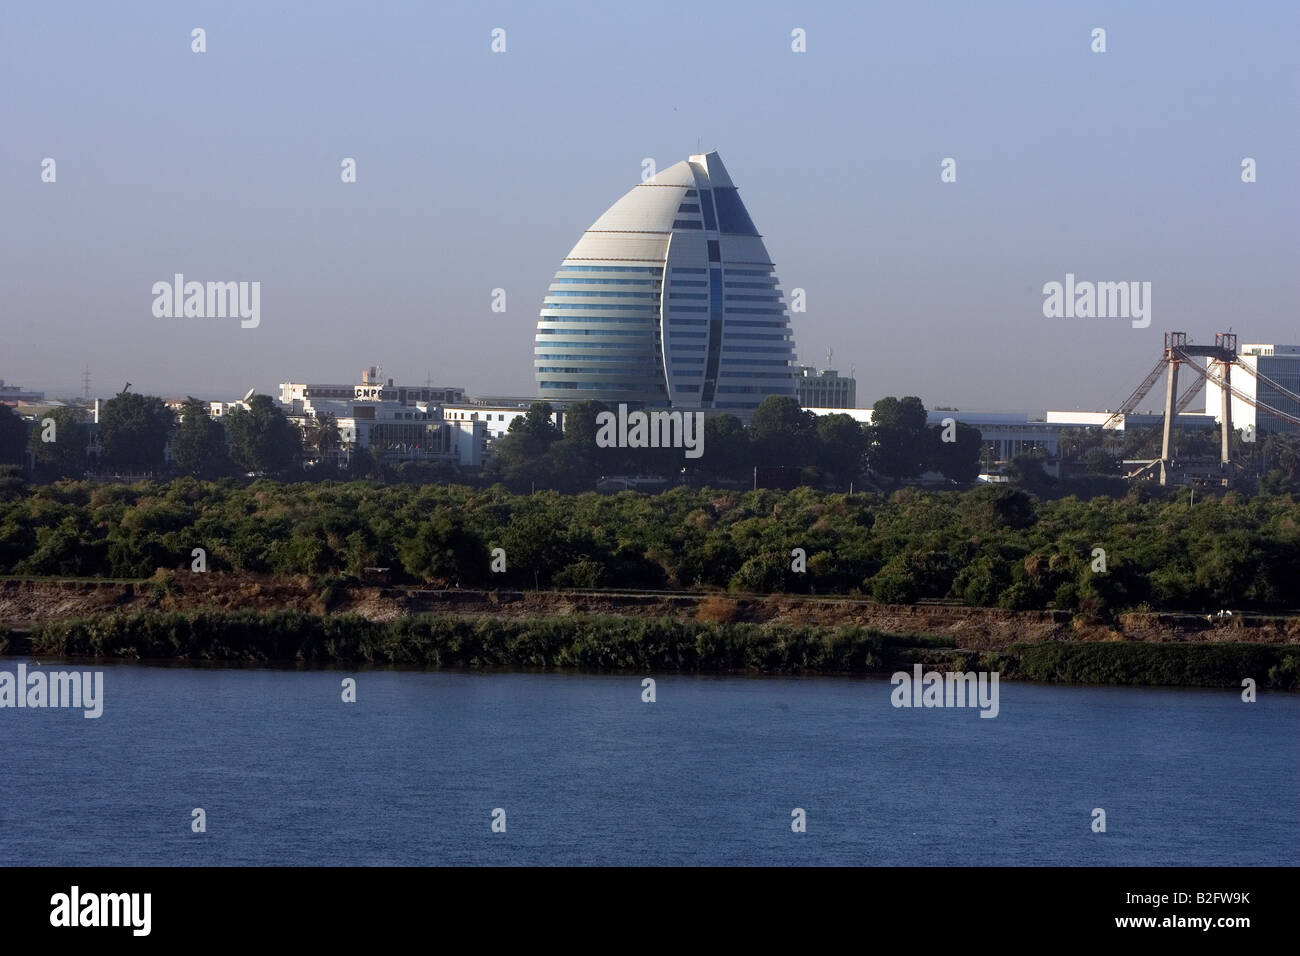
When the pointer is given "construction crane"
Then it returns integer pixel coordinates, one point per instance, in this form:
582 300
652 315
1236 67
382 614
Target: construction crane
1245 397
1139 393
1223 357
1188 394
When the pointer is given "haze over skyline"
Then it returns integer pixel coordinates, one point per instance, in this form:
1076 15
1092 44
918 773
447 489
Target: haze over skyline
479 170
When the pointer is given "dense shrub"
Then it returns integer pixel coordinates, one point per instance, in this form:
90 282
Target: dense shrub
608 642
987 547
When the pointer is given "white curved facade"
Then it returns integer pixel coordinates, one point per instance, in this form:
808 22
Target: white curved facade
669 299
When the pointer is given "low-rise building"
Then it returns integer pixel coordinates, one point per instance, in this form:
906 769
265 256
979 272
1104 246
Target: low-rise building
825 388
1008 434
1276 371
370 388
14 394
395 432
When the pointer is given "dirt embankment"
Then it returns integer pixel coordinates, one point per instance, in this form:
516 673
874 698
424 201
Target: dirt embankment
23 603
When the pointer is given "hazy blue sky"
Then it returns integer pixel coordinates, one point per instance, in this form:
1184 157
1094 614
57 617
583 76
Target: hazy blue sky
479 170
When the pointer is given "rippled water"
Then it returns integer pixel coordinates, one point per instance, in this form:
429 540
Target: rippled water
587 773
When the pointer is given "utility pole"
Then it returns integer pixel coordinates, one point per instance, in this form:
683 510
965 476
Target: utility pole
756 477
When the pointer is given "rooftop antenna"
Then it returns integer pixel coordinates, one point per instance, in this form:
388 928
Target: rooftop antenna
829 353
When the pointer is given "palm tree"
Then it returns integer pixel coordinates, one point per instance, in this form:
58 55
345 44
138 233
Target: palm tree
1283 451
323 435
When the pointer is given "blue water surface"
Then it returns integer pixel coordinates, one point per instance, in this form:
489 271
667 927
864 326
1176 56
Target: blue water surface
587 773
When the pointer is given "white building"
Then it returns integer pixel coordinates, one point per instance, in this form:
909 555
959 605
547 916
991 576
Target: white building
395 432
371 388
1119 423
1005 434
669 299
394 423
1278 363
497 418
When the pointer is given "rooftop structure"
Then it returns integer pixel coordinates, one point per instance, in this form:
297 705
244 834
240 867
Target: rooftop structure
825 388
373 388
13 394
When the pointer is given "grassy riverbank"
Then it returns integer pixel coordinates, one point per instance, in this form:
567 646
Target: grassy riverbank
647 644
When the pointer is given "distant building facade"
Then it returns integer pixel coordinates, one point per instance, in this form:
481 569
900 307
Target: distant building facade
13 394
394 423
394 432
826 388
1008 434
1280 365
370 388
669 299
496 418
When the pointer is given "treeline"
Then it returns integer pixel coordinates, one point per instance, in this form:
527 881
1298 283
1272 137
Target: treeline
991 546
1274 460
782 446
135 432
621 643
830 449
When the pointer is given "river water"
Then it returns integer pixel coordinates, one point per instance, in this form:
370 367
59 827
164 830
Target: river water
587 773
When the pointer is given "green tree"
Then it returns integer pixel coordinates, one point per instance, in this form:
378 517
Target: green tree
262 438
13 436
1026 471
727 452
13 485
520 459
898 447
66 454
537 429
443 550
782 433
959 459
199 445
576 461
1101 461
1281 453
323 435
580 422
997 508
1076 444
133 431
843 444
